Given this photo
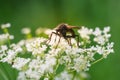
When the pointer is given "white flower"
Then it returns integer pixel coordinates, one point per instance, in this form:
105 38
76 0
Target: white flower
26 30
4 47
48 31
21 76
48 65
11 37
21 43
36 62
19 63
110 47
65 59
5 37
16 48
100 49
38 31
10 56
55 52
101 37
35 46
97 32
33 75
64 76
7 25
106 30
73 51
50 60
81 64
8 36
85 32
100 40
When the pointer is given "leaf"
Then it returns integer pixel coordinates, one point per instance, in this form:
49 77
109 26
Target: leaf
7 72
60 69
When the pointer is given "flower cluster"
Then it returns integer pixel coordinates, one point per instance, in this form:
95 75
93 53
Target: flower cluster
35 59
6 36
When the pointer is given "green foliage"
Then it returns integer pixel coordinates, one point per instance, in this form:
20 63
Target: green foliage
7 72
60 69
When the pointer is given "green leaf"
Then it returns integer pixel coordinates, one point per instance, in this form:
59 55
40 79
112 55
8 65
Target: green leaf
60 69
7 72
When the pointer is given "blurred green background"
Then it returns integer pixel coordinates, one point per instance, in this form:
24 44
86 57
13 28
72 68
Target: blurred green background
49 13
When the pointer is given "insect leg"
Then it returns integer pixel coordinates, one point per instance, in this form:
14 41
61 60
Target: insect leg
68 38
58 42
51 37
77 40
56 36
70 42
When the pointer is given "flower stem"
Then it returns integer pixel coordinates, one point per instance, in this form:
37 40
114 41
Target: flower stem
97 60
74 74
7 32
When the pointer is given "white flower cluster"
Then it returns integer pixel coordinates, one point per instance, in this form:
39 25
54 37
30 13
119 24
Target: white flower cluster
35 59
26 30
7 25
6 36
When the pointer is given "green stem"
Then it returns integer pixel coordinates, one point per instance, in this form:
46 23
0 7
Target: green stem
97 60
56 67
7 32
74 74
8 41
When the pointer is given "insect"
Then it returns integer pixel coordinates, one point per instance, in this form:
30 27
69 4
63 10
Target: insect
62 30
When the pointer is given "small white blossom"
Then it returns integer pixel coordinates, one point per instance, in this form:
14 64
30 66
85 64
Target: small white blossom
35 46
48 31
21 43
97 32
33 75
100 50
81 64
4 47
21 76
101 37
48 65
16 48
106 30
7 25
37 63
19 63
11 37
26 30
10 56
38 31
110 47
64 76
5 37
100 40
85 32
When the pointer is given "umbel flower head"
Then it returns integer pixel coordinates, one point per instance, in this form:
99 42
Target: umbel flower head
46 62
